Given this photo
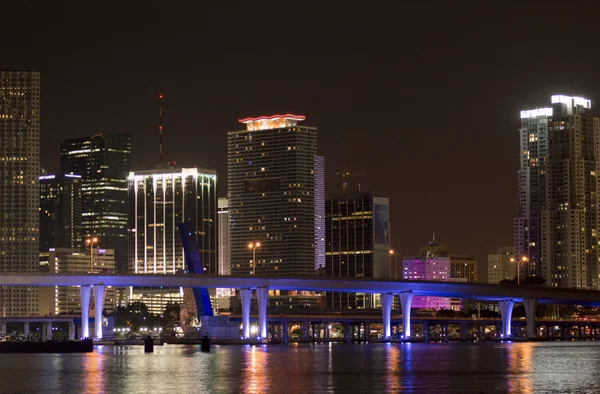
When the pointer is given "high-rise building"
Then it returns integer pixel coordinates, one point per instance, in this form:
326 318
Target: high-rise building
19 189
159 201
103 161
223 238
499 265
531 190
275 185
558 183
357 244
60 211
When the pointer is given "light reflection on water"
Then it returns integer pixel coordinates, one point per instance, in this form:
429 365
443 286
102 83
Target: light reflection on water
565 367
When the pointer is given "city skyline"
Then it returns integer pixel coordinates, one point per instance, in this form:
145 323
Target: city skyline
469 76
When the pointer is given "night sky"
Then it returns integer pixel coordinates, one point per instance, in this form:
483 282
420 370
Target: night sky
423 99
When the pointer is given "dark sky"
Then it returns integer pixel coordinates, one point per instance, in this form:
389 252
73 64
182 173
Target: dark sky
424 98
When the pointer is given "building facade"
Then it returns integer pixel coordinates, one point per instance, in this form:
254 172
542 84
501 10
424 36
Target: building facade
103 161
60 211
499 265
357 244
275 185
428 268
159 201
558 182
19 189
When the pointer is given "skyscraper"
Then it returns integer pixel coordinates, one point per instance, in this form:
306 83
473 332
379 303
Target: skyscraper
160 200
558 187
19 189
103 161
533 139
275 184
60 211
357 244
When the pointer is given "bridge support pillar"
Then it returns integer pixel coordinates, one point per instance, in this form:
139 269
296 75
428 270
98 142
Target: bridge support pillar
246 299
463 332
426 332
71 330
348 332
262 293
406 302
286 331
84 294
26 329
99 306
386 308
530 305
506 308
48 331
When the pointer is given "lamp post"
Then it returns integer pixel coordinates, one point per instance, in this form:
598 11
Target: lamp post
91 242
393 253
524 259
253 246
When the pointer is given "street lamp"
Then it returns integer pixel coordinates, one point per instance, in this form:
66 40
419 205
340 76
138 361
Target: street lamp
91 242
253 246
524 259
393 253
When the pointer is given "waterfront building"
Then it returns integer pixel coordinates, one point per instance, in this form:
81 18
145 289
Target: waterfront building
357 244
19 189
103 161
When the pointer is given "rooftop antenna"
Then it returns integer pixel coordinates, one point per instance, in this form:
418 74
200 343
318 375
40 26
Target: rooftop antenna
160 126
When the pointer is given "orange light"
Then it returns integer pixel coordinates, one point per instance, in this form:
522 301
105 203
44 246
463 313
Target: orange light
392 251
250 245
87 241
525 259
512 259
160 96
257 245
95 239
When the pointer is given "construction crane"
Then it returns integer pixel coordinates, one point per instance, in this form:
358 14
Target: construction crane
345 174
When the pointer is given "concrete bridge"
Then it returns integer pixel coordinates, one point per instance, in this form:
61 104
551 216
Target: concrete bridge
506 295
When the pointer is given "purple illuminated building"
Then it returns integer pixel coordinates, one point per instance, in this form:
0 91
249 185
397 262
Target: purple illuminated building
427 268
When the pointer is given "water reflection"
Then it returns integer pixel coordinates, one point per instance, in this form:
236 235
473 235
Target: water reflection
256 379
94 373
394 364
520 367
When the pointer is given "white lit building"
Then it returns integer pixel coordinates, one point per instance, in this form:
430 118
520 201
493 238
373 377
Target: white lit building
159 201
